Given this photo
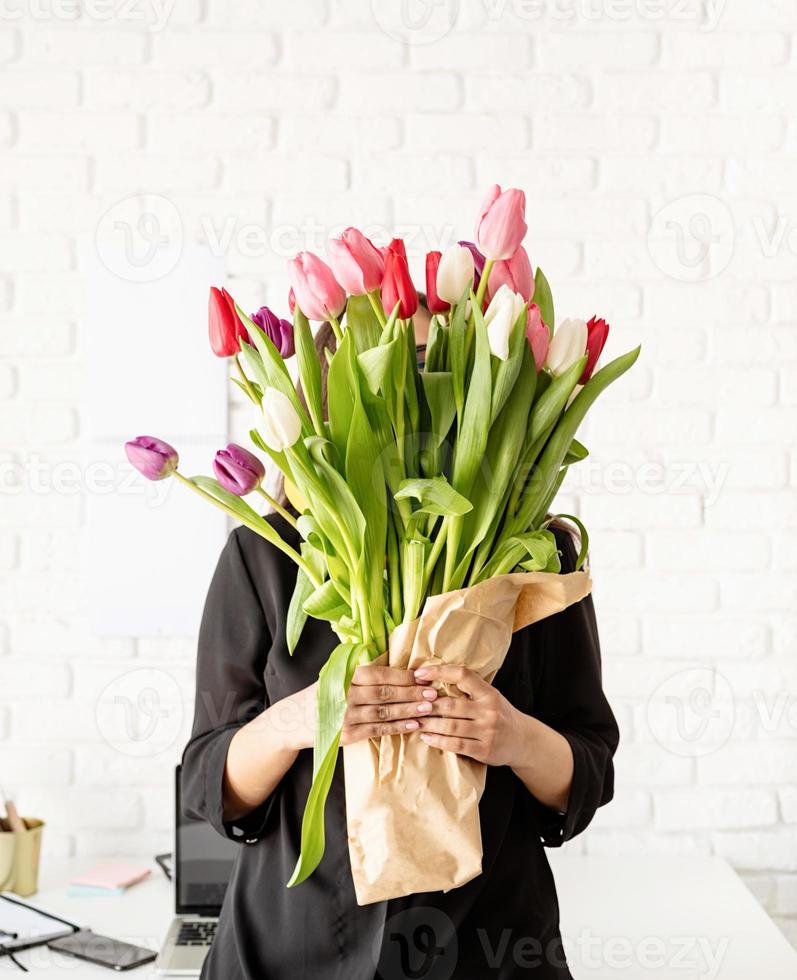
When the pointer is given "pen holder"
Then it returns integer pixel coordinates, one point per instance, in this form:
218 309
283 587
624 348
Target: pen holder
19 856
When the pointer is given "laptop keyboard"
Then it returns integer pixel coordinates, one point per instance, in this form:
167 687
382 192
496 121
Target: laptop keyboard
197 933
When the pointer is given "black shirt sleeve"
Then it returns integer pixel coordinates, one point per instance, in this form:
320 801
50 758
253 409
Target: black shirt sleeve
569 698
234 641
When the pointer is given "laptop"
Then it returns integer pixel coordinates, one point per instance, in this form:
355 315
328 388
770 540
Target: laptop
203 862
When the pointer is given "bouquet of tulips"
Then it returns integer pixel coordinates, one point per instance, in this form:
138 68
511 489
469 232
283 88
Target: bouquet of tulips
412 483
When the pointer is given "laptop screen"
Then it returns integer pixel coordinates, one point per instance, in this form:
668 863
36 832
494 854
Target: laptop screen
203 864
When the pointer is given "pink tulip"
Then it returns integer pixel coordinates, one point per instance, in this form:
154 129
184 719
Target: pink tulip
538 336
237 470
515 273
597 332
501 226
152 457
357 263
319 295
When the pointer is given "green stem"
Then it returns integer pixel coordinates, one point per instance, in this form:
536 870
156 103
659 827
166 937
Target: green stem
434 554
336 329
277 507
276 540
377 306
246 382
488 267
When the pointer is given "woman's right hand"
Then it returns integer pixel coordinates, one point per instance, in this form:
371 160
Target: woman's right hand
382 701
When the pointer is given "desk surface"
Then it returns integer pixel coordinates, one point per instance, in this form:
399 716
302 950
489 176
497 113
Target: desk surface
657 917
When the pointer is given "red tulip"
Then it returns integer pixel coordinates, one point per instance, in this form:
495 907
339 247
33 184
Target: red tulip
515 272
501 225
538 336
433 302
318 293
397 285
357 263
597 332
224 325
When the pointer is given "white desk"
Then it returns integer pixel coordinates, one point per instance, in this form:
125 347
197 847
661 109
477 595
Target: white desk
635 918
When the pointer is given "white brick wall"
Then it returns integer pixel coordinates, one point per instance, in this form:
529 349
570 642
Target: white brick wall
637 129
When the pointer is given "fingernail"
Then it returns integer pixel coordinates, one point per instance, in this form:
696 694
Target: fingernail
431 694
422 672
424 706
425 737
411 726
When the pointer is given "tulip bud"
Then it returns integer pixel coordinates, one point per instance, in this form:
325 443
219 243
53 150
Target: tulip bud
515 273
397 286
225 328
567 346
291 300
501 316
455 273
279 332
318 293
281 423
357 263
478 262
153 458
237 470
597 332
501 225
433 302
538 336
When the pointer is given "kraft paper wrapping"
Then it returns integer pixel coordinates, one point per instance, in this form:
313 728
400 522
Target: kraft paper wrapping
413 810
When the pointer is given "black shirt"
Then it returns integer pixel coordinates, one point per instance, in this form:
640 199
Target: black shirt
502 924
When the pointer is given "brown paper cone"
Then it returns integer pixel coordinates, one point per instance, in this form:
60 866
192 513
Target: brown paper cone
397 787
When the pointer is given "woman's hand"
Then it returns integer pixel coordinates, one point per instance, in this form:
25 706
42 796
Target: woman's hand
385 701
482 725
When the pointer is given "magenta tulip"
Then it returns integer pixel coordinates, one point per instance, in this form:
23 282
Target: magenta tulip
538 336
501 225
279 332
153 458
237 470
515 273
319 295
478 262
357 263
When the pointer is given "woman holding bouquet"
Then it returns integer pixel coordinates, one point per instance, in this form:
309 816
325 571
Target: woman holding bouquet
543 728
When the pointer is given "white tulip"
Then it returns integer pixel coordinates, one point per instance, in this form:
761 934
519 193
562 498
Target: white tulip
281 423
454 273
502 314
568 344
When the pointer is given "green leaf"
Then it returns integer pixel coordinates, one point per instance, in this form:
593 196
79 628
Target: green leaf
362 322
575 453
472 436
543 297
506 372
413 577
341 388
436 345
237 504
297 617
457 352
584 547
439 391
550 405
333 686
375 364
325 602
309 369
435 496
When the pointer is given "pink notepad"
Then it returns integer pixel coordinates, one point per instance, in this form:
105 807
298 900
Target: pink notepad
112 874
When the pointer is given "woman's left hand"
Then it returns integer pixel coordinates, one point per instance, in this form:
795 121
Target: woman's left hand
482 725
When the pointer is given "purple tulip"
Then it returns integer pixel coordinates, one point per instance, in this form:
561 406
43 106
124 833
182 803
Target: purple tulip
279 332
478 263
153 458
238 470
